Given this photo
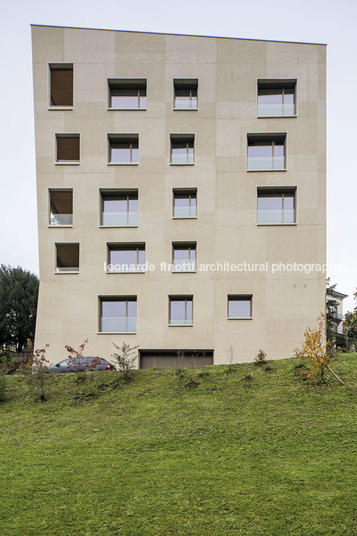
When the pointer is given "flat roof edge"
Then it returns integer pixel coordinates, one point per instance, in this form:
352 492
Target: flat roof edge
180 35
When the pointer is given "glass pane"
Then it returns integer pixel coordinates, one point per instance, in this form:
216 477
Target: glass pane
123 260
239 308
61 219
135 156
189 311
289 201
120 155
270 202
177 311
114 205
113 308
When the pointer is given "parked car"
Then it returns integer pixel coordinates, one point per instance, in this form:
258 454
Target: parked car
82 364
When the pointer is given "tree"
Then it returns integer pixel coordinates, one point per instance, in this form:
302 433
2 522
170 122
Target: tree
331 310
315 350
18 304
126 358
350 321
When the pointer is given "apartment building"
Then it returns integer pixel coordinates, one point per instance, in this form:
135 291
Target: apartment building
181 194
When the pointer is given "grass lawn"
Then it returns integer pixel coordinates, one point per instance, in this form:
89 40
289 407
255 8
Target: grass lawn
244 453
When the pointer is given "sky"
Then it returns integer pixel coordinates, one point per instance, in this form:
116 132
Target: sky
316 21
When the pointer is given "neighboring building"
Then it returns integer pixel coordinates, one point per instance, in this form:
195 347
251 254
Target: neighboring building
182 150
336 308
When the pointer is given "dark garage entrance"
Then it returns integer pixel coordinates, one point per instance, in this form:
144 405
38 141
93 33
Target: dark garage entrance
175 358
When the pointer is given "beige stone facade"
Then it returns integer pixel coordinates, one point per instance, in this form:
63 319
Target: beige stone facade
257 170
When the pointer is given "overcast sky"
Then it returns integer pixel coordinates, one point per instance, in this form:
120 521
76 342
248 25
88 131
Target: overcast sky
317 21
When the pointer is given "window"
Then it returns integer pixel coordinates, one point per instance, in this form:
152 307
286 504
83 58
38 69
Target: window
180 310
266 152
118 314
67 256
276 98
276 205
185 94
119 208
184 257
182 149
61 82
61 207
67 148
239 307
127 258
123 148
127 94
185 203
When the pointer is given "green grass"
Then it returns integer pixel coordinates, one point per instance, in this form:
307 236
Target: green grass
161 456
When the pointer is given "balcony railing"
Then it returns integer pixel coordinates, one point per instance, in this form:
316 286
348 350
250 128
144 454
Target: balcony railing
64 269
276 216
276 110
182 158
61 219
266 162
185 103
118 324
184 266
181 322
185 212
120 219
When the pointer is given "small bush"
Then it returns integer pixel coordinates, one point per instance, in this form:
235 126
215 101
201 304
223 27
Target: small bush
75 360
126 359
3 392
36 369
261 358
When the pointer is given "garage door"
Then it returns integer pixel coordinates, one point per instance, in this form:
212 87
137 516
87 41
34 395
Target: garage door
175 358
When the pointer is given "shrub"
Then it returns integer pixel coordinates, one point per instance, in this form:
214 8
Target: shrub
315 350
37 370
76 361
2 384
261 358
126 359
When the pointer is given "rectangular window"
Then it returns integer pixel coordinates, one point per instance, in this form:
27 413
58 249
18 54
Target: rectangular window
67 256
127 94
266 152
182 149
185 94
61 84
240 306
118 314
276 206
184 256
185 203
67 148
276 98
119 208
126 258
180 310
61 207
123 148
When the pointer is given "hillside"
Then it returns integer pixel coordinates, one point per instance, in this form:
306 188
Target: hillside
253 451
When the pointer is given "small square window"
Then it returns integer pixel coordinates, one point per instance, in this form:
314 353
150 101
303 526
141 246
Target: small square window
266 152
180 310
182 149
276 206
127 94
61 82
185 203
67 148
276 98
185 94
123 148
67 256
119 208
184 256
61 207
118 314
240 307
126 258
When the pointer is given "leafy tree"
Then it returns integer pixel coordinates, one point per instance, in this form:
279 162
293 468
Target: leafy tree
18 304
125 358
315 350
331 310
350 321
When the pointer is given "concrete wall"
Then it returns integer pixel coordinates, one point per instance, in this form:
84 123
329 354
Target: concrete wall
284 303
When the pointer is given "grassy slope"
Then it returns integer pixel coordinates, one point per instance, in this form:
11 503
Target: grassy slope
269 456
